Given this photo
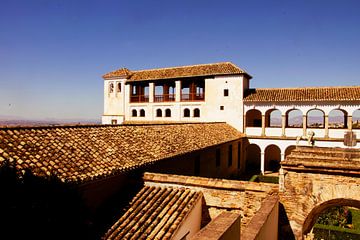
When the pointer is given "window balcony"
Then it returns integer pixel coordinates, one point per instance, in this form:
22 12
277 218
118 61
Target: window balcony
164 98
193 97
139 98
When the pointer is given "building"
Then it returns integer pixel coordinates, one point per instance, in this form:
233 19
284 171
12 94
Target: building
272 119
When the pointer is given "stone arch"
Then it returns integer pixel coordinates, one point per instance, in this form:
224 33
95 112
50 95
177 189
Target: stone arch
356 119
142 113
272 158
134 113
253 118
186 112
158 112
315 118
167 112
253 158
294 118
196 112
111 87
289 149
317 210
337 118
273 118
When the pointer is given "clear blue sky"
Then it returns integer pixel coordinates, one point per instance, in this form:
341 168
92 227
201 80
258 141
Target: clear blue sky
53 53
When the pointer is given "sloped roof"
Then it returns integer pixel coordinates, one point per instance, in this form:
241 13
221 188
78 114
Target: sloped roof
212 69
303 94
83 153
154 213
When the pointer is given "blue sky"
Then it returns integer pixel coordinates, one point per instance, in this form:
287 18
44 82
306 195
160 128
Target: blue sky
53 53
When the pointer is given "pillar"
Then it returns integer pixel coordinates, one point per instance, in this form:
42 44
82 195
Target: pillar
326 126
283 125
349 123
262 125
151 91
262 163
244 123
177 91
304 124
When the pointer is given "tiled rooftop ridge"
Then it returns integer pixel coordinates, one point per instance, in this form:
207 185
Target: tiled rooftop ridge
344 93
83 153
212 69
154 213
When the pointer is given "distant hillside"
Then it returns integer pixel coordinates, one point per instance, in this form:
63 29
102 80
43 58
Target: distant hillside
18 121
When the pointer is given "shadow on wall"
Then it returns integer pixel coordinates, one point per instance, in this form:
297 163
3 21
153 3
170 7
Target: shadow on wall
285 231
34 207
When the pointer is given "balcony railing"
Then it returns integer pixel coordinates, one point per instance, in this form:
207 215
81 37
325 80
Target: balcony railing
164 98
192 97
139 98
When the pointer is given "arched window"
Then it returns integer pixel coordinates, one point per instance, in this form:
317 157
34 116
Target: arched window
158 113
118 87
142 113
356 119
253 118
167 113
315 118
134 113
294 118
186 112
273 118
111 87
196 112
337 119
272 158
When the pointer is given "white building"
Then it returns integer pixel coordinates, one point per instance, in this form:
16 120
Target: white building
272 119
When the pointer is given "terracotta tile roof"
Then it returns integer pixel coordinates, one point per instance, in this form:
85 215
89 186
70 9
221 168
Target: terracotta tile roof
213 69
154 213
83 153
304 94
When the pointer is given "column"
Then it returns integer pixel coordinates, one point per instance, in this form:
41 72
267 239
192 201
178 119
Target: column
262 125
283 125
177 91
304 125
262 163
281 180
349 122
282 156
326 126
244 123
151 91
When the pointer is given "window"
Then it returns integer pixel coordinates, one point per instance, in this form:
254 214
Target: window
167 113
196 112
142 113
186 112
118 87
134 113
158 113
113 121
226 92
230 156
239 156
218 157
111 87
221 107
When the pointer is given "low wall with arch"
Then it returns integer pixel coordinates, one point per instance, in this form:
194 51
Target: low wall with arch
318 179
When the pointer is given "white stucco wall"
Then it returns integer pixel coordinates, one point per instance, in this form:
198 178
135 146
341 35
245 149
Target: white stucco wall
114 104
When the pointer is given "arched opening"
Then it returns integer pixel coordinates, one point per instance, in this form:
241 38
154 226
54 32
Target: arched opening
158 113
134 113
253 118
336 214
294 118
196 112
167 113
338 118
111 87
289 149
118 86
253 159
186 112
142 113
272 158
273 118
315 118
356 119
